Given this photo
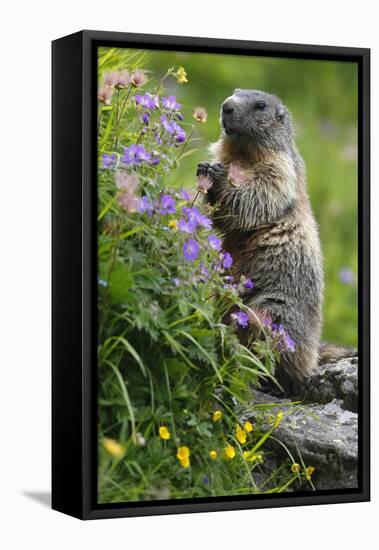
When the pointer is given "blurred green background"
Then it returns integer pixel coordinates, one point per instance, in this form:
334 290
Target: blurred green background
323 99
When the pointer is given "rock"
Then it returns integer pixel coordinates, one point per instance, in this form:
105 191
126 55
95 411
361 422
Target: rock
321 431
334 381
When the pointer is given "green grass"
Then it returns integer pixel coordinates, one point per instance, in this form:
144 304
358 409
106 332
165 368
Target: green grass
322 96
166 358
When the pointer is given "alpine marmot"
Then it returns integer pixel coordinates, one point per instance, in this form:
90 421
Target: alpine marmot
262 209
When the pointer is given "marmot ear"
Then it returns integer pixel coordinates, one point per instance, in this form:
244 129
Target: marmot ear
280 113
237 90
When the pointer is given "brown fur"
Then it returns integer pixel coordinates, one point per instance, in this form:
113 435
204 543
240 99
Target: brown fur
268 225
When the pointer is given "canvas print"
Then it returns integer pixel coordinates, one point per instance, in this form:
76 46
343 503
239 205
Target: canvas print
227 275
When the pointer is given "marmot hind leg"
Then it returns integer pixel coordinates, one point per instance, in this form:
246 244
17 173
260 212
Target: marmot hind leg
330 353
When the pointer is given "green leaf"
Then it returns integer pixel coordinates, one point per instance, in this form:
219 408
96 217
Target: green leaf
176 368
120 282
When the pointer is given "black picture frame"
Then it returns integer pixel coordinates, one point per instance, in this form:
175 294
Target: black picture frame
74 441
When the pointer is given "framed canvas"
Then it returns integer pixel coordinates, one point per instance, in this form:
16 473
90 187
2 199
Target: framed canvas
210 275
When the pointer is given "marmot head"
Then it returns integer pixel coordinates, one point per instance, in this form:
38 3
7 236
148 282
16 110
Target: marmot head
257 117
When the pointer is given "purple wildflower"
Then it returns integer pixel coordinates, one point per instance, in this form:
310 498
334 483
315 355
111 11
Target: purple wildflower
171 103
191 250
145 206
135 154
173 128
241 318
109 160
146 118
180 135
214 242
193 215
248 284
185 195
158 139
155 160
168 125
186 226
289 344
204 271
227 260
346 276
176 281
147 101
167 205
204 221
285 342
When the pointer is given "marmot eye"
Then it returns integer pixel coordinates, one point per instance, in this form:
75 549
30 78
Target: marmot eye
260 105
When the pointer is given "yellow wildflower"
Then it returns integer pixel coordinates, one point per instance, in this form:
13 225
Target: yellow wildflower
164 433
185 463
181 75
213 455
258 458
113 447
248 427
217 415
278 419
183 452
173 224
252 458
295 468
229 452
241 435
309 471
183 455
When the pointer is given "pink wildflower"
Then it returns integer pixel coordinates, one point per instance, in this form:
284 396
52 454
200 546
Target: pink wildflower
138 78
200 114
128 202
122 79
105 94
126 181
203 184
236 175
110 79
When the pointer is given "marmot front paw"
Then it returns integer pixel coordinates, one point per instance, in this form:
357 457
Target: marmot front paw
216 172
217 175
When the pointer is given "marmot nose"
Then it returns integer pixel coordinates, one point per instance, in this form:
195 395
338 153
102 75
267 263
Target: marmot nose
228 107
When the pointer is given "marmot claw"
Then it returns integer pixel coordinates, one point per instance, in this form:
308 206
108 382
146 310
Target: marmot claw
216 171
203 169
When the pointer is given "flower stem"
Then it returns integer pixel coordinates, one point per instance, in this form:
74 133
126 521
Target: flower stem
99 118
185 143
194 200
119 115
